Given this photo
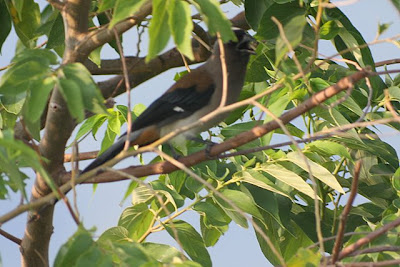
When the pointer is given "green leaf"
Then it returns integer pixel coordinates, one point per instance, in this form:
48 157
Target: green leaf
329 148
26 21
283 13
305 257
22 155
396 4
56 36
95 57
318 171
163 253
190 240
72 250
267 226
117 234
18 4
242 201
394 92
105 5
255 178
215 19
132 255
17 78
211 234
137 220
294 32
142 194
71 92
104 21
288 177
114 123
396 180
90 94
108 140
94 257
44 56
256 69
255 10
329 30
36 102
350 37
124 9
88 125
181 26
5 22
383 27
158 30
13 103
212 215
172 196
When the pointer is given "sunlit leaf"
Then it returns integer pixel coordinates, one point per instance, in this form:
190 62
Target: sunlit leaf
181 26
317 170
159 32
123 9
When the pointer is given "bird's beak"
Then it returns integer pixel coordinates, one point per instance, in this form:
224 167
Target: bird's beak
248 44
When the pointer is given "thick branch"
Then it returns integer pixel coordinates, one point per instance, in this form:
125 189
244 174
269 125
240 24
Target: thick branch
142 72
75 15
105 35
58 128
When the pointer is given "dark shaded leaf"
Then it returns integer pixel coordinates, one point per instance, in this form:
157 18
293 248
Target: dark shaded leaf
191 241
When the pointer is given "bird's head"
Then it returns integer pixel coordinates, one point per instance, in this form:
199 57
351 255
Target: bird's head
245 42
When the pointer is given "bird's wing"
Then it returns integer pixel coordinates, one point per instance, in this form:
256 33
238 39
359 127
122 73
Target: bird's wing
189 94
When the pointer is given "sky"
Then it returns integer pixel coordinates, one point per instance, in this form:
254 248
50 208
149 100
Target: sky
102 208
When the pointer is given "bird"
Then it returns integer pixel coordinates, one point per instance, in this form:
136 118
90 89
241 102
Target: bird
193 96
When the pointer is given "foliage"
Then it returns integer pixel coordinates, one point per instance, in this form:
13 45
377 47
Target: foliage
272 186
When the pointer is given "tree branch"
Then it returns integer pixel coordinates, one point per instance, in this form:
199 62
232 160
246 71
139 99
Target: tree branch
368 264
58 128
345 213
56 4
10 237
239 140
105 34
367 239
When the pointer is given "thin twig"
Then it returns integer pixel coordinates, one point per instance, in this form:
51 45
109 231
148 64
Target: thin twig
236 141
160 200
82 156
127 85
10 237
367 239
346 211
224 71
387 62
291 50
389 105
74 173
304 158
374 250
326 239
368 264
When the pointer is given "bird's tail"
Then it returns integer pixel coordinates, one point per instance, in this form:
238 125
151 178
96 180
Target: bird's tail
112 151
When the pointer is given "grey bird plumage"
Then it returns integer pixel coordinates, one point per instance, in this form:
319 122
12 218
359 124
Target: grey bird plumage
193 96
